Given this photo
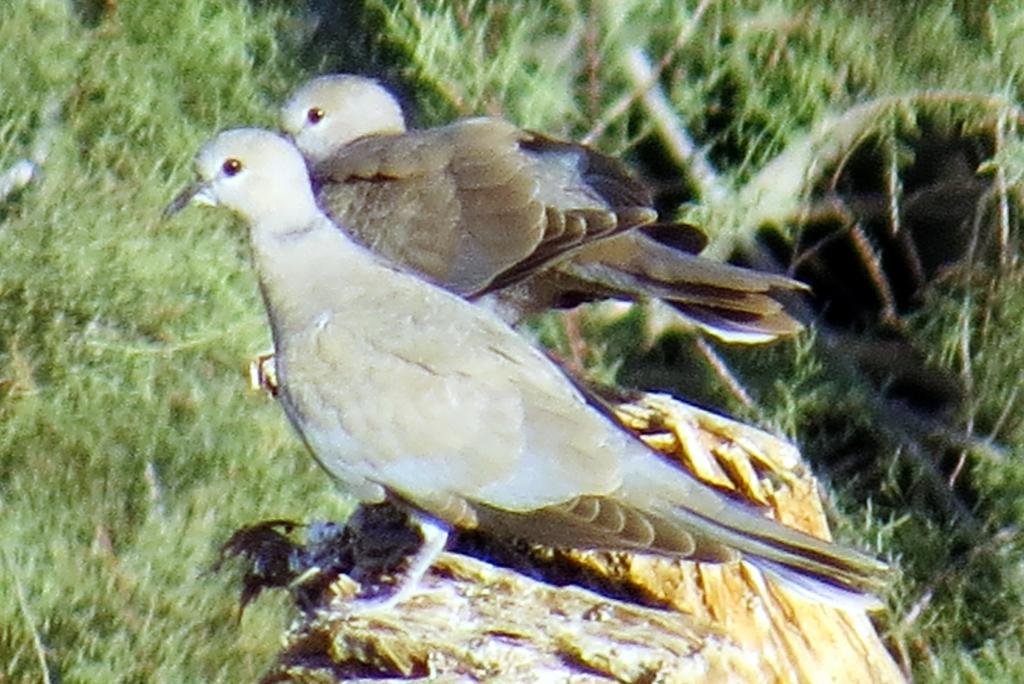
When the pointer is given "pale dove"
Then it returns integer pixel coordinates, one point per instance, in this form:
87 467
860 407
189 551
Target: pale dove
404 390
481 207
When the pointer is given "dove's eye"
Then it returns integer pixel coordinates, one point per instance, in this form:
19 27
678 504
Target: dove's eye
231 167
315 115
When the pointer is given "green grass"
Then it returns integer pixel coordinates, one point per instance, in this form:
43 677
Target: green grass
130 446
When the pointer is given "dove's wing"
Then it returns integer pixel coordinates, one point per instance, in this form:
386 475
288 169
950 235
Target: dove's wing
415 389
471 205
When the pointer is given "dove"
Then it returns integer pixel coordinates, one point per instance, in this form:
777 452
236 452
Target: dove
513 218
407 392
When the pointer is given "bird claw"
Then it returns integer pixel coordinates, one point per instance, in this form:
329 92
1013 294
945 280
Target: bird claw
263 374
380 597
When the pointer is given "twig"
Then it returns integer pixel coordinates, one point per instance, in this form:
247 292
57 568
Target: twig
873 262
37 641
622 105
591 44
968 378
894 189
1005 255
1004 414
723 372
904 238
680 146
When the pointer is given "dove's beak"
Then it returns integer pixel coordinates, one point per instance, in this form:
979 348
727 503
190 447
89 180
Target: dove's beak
198 193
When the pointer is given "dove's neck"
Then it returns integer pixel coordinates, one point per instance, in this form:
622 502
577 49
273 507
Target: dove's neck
311 270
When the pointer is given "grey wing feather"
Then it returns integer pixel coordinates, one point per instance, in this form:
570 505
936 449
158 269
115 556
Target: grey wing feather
465 206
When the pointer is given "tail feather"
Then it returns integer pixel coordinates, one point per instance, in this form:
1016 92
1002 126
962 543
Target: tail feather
790 554
737 308
811 566
733 326
818 589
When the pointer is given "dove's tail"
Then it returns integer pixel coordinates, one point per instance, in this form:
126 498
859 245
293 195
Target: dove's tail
718 525
811 567
732 303
663 510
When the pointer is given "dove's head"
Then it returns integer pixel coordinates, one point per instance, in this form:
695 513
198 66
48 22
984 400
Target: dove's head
255 173
331 111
